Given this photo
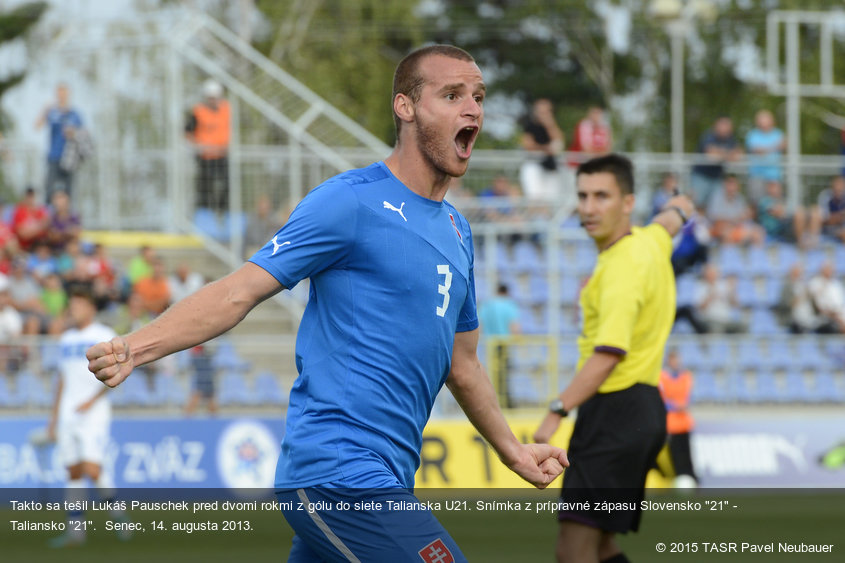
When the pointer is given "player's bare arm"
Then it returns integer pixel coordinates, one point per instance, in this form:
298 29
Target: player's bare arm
584 385
209 312
669 216
539 464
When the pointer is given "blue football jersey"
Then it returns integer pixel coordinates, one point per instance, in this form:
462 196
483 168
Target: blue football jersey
391 283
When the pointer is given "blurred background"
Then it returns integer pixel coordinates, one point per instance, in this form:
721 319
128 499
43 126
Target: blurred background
149 146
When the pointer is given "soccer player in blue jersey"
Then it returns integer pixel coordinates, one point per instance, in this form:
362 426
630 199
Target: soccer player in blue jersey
391 318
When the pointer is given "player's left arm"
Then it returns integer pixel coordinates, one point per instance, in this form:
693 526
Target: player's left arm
670 218
539 464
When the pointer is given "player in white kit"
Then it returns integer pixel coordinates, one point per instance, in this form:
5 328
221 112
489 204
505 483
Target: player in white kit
81 416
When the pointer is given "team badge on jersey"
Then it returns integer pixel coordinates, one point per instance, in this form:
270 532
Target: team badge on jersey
436 551
452 217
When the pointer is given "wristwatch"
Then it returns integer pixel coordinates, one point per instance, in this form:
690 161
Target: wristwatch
680 213
556 406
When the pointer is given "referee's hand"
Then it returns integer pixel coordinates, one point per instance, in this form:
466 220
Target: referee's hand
111 362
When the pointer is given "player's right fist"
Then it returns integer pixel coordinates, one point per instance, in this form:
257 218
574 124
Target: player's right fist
111 362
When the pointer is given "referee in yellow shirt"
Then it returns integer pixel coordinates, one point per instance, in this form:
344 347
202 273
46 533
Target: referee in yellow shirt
627 310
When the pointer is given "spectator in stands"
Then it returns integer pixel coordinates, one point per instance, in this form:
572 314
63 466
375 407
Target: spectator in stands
719 147
54 297
692 246
795 307
30 220
499 319
25 293
8 240
184 281
592 135
154 291
261 226
103 273
63 122
67 260
676 387
828 296
765 144
209 129
832 205
130 316
41 262
497 195
11 326
141 265
667 190
731 215
64 222
203 382
716 303
540 174
802 226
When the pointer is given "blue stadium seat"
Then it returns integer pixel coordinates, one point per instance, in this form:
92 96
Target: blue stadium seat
742 389
767 389
51 355
568 323
685 289
8 398
522 388
718 352
503 257
826 389
691 355
809 354
528 321
731 261
585 257
813 260
750 356
526 258
839 259
746 293
786 256
706 389
227 358
758 262
268 389
773 286
169 391
207 223
764 321
32 391
538 289
796 390
233 390
781 356
133 392
567 356
234 223
569 288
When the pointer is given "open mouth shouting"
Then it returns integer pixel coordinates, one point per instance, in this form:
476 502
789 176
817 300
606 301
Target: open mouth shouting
464 140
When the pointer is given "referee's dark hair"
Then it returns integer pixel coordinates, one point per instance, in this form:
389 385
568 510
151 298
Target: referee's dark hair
615 164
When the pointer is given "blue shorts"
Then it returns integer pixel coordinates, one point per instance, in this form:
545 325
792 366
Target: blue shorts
366 525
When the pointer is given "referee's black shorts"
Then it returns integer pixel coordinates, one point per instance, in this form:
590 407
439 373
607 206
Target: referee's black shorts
616 440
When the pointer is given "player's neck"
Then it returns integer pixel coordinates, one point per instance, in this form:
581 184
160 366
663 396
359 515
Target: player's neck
618 235
418 175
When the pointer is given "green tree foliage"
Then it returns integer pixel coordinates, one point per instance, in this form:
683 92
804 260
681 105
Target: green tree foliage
345 51
14 24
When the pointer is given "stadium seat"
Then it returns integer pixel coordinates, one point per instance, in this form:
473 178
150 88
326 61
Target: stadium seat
685 289
691 355
268 390
8 398
569 288
503 257
758 262
839 259
771 292
234 390
750 356
809 354
234 223
169 391
51 355
826 390
227 358
763 321
526 259
567 356
781 356
766 389
786 256
796 391
206 222
522 388
706 389
813 260
731 261
32 391
538 289
746 293
585 257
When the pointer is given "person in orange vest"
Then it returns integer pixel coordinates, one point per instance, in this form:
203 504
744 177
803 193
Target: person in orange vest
675 388
209 128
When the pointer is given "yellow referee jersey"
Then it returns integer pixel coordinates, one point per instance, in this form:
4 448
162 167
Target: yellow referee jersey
628 307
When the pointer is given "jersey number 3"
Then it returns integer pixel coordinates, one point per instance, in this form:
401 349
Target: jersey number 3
443 288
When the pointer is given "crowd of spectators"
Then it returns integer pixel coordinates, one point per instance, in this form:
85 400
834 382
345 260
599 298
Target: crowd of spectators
42 254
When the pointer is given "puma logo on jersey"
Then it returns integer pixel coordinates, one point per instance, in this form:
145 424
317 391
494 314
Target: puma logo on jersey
277 246
388 205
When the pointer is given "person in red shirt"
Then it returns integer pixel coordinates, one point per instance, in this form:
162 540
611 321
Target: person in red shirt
30 220
675 388
592 136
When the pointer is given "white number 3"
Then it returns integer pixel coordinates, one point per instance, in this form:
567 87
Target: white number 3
443 288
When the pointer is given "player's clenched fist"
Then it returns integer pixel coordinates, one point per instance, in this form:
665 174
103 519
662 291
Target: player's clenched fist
111 362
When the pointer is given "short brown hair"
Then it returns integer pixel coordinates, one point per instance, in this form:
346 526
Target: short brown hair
407 79
613 163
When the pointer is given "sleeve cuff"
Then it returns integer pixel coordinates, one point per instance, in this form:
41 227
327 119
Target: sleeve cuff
610 350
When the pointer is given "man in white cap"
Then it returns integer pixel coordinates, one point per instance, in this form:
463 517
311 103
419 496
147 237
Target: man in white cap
209 129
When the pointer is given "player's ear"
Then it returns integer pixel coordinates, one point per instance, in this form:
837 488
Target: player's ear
628 202
403 107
